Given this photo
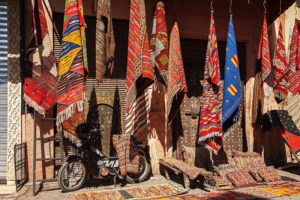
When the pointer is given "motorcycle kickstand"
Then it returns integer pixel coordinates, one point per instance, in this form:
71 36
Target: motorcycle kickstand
115 181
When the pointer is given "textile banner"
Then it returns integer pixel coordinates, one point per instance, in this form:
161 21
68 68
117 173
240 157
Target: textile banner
232 95
139 69
72 62
105 40
176 78
159 44
264 52
210 131
40 73
280 65
294 51
288 128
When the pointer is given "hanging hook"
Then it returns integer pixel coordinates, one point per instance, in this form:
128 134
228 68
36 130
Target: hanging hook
211 6
264 4
279 7
296 10
230 6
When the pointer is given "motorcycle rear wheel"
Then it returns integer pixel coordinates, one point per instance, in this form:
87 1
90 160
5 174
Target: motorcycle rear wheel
144 171
71 175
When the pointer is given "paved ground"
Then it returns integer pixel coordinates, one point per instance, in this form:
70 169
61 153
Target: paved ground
52 191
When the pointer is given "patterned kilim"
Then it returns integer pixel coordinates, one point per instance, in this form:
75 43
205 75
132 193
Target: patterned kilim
72 62
282 189
294 51
288 129
105 41
232 95
176 78
40 75
294 82
143 192
128 158
263 51
210 133
159 42
293 107
263 96
280 64
139 66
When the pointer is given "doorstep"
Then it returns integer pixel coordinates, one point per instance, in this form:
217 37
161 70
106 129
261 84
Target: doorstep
7 189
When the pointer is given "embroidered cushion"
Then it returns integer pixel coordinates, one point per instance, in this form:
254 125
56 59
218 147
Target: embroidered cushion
189 154
269 174
240 178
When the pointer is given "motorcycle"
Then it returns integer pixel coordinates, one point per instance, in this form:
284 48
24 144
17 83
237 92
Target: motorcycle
89 161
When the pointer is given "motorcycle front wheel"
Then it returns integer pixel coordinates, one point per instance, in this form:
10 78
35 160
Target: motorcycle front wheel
144 169
71 175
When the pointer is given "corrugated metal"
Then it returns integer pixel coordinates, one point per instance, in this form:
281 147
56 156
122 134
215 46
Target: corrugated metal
3 89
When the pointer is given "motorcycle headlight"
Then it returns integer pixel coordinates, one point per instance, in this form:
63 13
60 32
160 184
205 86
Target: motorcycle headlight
78 143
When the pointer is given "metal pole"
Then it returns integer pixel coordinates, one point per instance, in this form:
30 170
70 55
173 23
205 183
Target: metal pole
34 153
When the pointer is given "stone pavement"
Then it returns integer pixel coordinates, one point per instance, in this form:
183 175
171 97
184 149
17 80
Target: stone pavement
51 191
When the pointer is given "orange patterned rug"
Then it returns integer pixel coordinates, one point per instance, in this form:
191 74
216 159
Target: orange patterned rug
145 192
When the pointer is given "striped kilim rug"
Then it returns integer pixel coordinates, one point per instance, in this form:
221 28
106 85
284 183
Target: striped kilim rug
72 62
139 71
146 192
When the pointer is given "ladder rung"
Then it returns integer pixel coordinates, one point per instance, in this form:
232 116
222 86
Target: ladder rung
46 180
50 159
46 119
49 139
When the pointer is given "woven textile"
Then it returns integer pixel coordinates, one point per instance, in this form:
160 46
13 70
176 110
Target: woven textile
282 189
139 66
72 62
40 74
280 64
294 51
128 159
176 78
269 174
294 82
159 191
210 133
288 129
105 41
159 43
137 120
71 124
293 107
240 178
263 51
263 95
189 154
232 95
190 170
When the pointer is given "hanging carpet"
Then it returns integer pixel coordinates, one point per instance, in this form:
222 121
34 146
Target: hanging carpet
263 95
40 74
176 78
232 95
210 131
294 51
139 70
105 41
280 65
72 62
159 43
287 127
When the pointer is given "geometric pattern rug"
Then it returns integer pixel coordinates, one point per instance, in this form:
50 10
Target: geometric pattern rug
278 190
143 192
271 191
